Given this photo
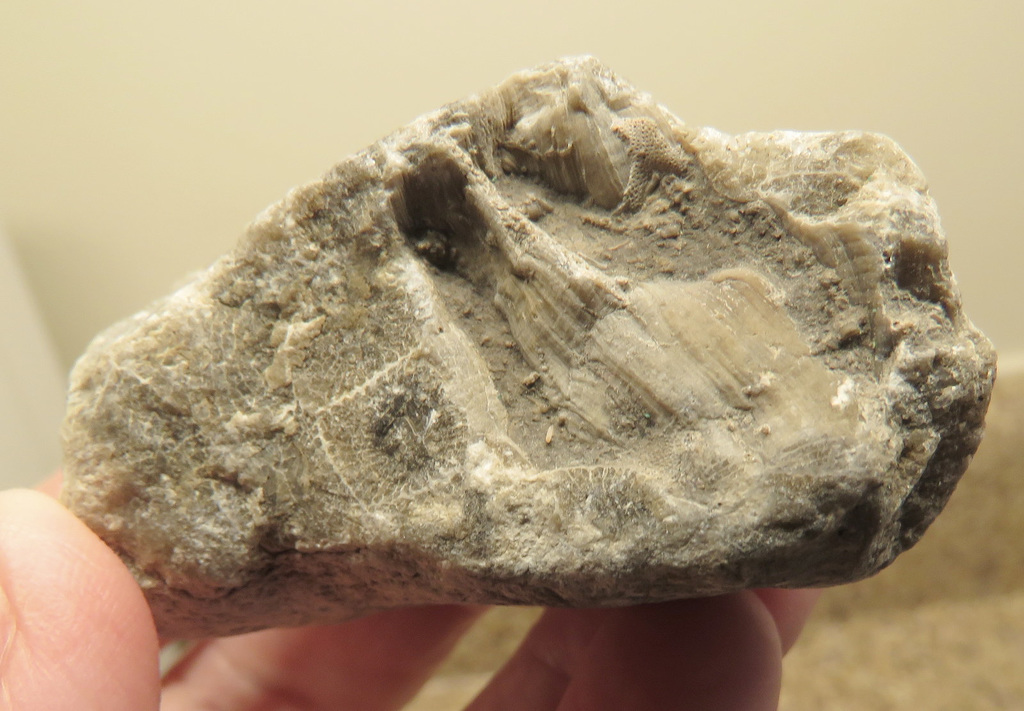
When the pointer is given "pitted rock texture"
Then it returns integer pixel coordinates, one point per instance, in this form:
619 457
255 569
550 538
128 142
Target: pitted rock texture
546 345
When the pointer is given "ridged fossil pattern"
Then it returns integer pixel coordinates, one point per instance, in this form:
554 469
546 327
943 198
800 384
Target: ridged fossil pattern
548 345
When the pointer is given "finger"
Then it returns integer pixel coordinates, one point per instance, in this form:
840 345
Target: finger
75 630
718 653
538 674
790 609
51 485
374 663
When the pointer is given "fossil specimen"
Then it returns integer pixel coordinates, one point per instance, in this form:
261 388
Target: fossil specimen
545 345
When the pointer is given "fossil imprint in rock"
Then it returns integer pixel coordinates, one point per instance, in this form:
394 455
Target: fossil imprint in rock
546 345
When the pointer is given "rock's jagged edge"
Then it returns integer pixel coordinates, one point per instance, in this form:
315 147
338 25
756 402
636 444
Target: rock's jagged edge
455 369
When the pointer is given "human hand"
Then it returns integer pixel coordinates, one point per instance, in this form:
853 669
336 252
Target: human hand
76 633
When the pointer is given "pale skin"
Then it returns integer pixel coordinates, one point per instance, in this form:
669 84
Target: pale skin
76 633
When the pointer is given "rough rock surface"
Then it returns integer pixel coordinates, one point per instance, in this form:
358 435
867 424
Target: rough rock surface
546 345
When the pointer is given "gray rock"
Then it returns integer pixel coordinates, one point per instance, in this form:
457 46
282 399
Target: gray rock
546 345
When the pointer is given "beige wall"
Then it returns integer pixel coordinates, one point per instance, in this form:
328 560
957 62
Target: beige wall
138 138
31 383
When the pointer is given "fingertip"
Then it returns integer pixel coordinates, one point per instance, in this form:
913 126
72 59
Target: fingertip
77 632
375 662
721 653
51 485
790 609
718 653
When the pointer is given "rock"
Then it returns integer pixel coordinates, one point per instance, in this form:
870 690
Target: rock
546 345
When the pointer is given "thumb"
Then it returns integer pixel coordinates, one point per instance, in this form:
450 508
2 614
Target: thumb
75 629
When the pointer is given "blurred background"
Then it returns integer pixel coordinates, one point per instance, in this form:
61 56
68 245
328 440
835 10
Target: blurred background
137 139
